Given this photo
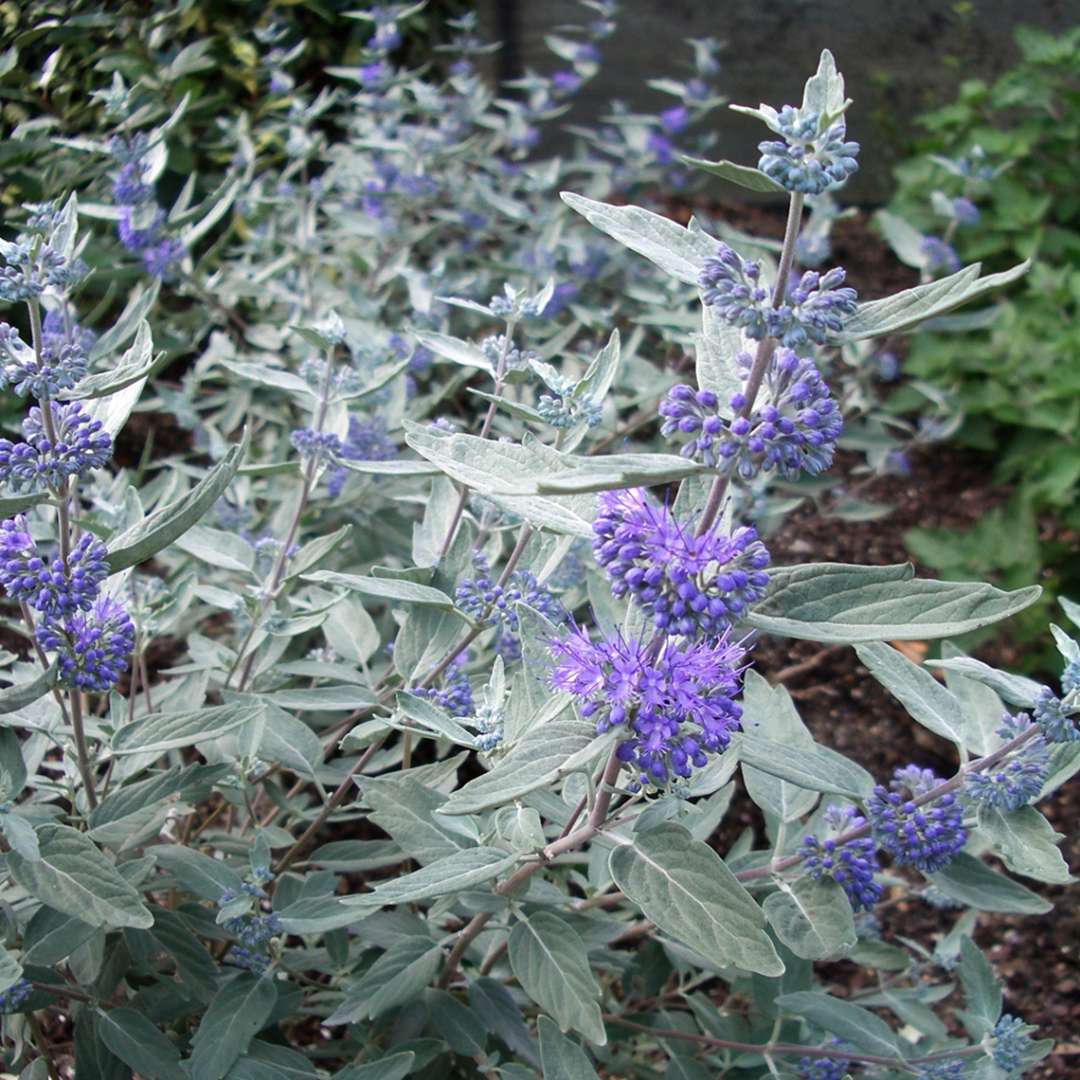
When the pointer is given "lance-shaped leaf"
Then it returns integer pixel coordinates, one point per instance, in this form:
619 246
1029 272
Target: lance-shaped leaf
239 1010
545 755
742 175
452 348
74 877
928 702
812 918
684 887
843 1019
492 468
137 363
168 523
814 767
836 602
551 963
905 310
158 732
392 590
677 250
13 698
561 1058
462 870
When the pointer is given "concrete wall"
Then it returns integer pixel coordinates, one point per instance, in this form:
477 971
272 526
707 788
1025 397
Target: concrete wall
899 58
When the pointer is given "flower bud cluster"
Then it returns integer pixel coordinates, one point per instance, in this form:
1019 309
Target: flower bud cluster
456 695
851 864
485 599
48 584
696 586
811 158
1016 781
78 444
1011 1040
675 701
813 308
927 837
1055 718
13 998
93 647
62 364
795 431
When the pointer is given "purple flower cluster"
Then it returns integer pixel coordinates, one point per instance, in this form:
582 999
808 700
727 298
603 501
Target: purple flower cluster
485 599
367 440
253 928
696 586
675 701
61 366
823 1068
319 445
49 585
809 160
141 226
813 308
926 836
80 445
852 864
950 1069
93 646
794 432
1054 718
1019 779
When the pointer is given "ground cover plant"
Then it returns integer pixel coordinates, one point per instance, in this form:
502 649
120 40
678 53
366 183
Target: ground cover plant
380 720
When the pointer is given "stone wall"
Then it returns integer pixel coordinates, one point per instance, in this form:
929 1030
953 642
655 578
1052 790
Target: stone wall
899 58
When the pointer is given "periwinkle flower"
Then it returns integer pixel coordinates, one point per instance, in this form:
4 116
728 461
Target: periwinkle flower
927 836
367 440
809 160
129 188
49 585
696 586
952 1069
376 76
138 230
1019 779
661 147
1054 718
793 431
565 82
673 702
81 444
940 256
92 647
483 598
823 1068
851 864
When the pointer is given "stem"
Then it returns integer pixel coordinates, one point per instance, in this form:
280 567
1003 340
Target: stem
569 842
278 574
761 356
42 1044
489 417
81 750
790 1048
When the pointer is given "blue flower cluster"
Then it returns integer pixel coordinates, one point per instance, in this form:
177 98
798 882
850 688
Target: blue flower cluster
253 928
456 695
13 998
926 836
31 264
951 1069
851 864
66 441
1019 779
483 598
822 1068
811 158
141 226
675 701
795 431
49 585
696 586
62 364
560 408
1011 1041
814 307
93 647
940 256
320 446
1055 718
